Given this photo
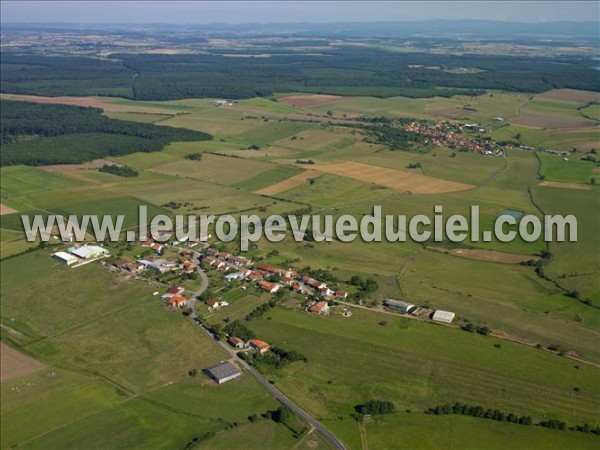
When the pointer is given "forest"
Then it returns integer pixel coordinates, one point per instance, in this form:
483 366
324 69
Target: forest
37 134
343 70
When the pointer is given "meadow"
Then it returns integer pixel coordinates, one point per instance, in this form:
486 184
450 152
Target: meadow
121 360
118 362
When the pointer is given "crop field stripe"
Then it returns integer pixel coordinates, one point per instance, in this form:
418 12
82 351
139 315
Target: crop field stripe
290 183
416 183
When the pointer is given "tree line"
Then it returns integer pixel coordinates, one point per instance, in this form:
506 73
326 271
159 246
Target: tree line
36 134
345 71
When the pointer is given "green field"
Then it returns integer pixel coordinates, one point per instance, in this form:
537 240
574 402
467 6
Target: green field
119 361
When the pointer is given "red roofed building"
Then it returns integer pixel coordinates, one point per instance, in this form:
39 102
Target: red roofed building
259 346
175 290
236 342
319 308
212 303
177 301
268 286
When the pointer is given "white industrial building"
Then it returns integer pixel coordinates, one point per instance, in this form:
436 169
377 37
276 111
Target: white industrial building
399 306
65 258
443 316
88 251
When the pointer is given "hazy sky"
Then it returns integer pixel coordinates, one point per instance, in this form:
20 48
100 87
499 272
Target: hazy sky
292 11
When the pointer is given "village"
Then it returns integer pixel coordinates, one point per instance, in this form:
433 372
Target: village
450 134
184 260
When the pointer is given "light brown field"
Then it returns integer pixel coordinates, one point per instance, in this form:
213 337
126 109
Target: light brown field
15 364
486 255
596 170
95 164
6 210
290 183
401 180
93 102
571 95
309 100
560 184
551 122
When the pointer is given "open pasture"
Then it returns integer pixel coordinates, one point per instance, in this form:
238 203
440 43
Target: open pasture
571 170
393 179
215 169
418 365
405 431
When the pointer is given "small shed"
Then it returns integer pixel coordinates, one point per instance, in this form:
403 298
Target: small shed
443 316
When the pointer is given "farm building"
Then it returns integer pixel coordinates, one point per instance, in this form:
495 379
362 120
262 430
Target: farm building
88 251
259 346
399 306
177 301
443 316
269 287
175 290
223 372
65 258
319 308
236 342
212 303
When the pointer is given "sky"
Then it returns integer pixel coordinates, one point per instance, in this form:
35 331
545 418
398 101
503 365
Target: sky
178 12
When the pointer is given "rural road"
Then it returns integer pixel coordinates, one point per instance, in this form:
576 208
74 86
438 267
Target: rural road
328 435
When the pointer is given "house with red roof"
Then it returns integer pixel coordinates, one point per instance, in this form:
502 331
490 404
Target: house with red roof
319 308
259 346
177 301
268 286
236 342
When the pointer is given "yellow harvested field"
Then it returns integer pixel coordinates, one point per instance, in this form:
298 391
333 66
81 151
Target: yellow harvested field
486 255
290 183
309 100
15 364
4 210
402 180
560 184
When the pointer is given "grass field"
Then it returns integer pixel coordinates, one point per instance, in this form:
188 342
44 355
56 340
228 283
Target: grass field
555 168
117 361
405 431
354 359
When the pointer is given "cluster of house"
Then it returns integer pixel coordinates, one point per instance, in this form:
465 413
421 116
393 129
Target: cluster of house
445 134
253 344
408 308
77 255
224 261
263 274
